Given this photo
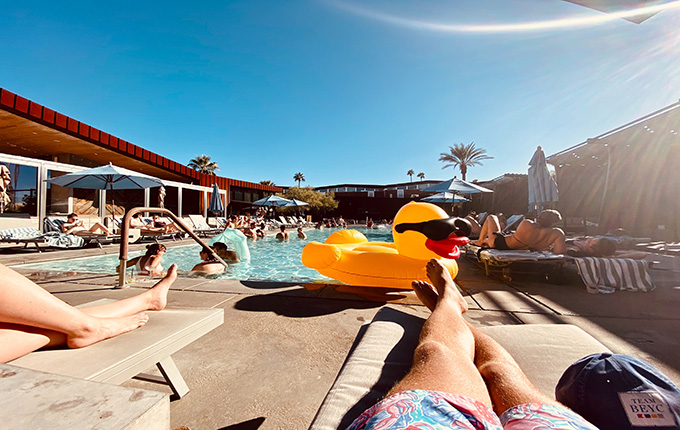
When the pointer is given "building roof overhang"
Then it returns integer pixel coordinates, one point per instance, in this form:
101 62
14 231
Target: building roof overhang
658 128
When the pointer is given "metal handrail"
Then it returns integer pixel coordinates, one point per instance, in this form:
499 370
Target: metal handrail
125 228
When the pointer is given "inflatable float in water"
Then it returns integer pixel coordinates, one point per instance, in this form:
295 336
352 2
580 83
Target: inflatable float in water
236 238
421 231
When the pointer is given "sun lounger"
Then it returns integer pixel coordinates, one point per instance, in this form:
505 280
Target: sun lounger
383 352
31 235
201 227
512 223
123 357
54 223
502 260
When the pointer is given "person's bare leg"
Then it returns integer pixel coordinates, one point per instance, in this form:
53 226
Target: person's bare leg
506 382
491 225
507 385
154 299
443 359
24 303
100 227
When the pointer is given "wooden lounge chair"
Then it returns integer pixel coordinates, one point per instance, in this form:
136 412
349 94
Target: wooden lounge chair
123 357
383 352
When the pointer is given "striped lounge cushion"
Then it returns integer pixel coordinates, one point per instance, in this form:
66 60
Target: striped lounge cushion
606 275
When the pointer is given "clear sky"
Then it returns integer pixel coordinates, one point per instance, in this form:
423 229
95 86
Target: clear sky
344 91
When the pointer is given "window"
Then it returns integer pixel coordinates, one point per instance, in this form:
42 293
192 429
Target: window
400 194
21 189
371 194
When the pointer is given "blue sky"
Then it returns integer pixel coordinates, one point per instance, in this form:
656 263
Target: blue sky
344 91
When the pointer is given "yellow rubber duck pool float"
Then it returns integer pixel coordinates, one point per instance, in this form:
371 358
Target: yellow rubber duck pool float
421 231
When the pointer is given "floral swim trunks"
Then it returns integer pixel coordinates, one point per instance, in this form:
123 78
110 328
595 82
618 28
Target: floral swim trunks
420 409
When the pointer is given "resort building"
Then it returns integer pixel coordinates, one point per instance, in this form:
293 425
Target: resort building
38 143
376 202
628 177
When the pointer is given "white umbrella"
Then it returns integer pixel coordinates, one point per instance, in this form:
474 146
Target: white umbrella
542 186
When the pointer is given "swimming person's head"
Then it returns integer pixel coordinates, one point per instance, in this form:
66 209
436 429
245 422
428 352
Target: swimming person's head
154 249
283 228
548 218
206 253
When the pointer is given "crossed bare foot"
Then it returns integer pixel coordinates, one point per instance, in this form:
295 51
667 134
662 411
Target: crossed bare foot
158 294
442 287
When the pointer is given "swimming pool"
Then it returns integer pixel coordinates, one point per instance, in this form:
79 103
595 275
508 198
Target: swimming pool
270 260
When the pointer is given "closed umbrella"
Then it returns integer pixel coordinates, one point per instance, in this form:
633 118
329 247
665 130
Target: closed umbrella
108 177
456 185
542 186
216 205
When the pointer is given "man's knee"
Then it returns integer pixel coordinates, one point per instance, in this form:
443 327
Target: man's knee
430 350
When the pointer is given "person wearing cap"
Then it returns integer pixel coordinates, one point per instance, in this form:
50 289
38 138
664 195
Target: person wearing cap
461 378
620 392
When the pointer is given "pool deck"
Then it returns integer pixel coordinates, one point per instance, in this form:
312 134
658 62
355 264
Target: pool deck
281 346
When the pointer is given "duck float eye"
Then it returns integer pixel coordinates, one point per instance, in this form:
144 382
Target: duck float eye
421 231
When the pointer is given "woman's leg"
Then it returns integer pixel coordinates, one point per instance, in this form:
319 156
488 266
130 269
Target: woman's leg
31 318
444 358
99 226
486 235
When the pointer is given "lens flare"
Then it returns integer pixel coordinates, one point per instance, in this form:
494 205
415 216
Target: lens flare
519 27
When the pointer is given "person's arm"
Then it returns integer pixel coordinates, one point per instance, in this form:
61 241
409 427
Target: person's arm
559 244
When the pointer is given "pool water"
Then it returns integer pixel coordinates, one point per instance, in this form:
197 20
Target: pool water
270 259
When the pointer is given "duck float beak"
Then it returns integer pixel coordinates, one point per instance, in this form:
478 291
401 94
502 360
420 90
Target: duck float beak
443 235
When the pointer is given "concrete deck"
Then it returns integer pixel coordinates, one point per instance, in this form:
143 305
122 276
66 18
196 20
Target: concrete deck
281 346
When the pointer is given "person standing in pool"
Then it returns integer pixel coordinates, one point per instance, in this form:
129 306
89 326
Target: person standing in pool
301 234
31 318
150 262
283 234
210 265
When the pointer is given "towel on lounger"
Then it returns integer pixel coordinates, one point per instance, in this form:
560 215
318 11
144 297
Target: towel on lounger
606 275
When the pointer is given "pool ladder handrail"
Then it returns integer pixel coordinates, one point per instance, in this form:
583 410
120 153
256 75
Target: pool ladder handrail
125 229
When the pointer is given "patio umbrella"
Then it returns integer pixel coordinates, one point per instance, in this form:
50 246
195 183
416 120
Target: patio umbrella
272 201
542 186
216 205
445 197
456 185
108 177
296 202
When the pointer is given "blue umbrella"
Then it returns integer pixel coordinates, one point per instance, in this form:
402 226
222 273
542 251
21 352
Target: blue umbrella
457 186
271 201
108 177
296 202
445 197
542 186
216 205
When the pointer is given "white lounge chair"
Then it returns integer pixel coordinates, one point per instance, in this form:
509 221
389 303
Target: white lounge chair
123 357
383 352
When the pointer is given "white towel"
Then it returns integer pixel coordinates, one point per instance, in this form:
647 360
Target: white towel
606 275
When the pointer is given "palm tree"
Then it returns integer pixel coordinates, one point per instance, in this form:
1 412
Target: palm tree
421 175
268 182
411 173
463 156
299 177
203 164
